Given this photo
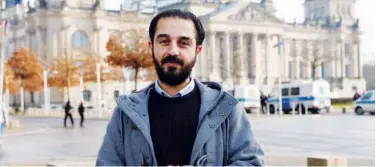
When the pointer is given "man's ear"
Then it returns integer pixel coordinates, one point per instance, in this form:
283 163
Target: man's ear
198 49
150 44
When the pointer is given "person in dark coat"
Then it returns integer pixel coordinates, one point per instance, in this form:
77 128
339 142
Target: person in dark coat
81 110
356 96
67 109
263 100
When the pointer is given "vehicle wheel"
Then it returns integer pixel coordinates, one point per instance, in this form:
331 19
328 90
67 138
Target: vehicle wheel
248 110
271 109
372 113
315 111
359 111
286 111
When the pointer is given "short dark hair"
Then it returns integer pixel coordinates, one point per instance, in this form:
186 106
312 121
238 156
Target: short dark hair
182 14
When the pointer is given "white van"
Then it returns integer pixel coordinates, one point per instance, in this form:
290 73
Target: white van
366 103
301 96
248 96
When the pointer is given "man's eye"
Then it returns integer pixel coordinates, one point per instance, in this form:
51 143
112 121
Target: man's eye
164 42
184 43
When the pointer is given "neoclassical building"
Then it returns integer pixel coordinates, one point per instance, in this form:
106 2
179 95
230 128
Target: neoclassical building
245 42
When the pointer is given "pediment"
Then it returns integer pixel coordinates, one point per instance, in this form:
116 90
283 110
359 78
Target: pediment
243 11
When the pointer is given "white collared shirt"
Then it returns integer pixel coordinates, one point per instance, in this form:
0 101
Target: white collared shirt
187 89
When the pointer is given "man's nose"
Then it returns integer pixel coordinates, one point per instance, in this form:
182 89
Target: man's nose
174 49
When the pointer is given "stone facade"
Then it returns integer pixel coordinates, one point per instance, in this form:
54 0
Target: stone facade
238 48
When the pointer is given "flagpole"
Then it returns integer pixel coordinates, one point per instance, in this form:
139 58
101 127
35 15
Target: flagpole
278 46
3 45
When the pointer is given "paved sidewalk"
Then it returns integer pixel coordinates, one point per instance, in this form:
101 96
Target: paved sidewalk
270 160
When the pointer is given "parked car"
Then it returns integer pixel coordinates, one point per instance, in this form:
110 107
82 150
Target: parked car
365 104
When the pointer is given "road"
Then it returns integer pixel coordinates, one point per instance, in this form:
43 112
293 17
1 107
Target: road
347 135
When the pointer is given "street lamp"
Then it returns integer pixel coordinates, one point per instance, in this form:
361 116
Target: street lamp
46 90
278 46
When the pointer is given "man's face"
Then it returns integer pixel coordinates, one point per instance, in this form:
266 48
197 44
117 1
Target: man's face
174 50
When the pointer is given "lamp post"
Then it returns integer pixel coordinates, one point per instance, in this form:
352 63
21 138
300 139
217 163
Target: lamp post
278 46
99 94
46 92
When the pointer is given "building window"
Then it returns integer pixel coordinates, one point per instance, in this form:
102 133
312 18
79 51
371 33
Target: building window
323 74
289 70
347 70
348 49
87 95
301 67
116 94
80 40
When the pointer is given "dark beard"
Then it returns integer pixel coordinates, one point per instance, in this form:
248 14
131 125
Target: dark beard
172 77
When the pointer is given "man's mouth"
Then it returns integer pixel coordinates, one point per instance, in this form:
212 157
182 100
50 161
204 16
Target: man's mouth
171 63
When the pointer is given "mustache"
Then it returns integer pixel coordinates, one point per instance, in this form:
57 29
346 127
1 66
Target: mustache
172 59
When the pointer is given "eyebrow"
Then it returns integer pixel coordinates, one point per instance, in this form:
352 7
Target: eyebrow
167 36
162 36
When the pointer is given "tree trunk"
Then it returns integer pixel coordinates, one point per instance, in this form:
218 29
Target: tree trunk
135 79
67 87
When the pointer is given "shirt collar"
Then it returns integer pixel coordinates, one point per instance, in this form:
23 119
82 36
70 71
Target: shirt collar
187 89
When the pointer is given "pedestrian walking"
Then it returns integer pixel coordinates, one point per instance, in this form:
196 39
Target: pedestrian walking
81 110
67 109
178 120
263 100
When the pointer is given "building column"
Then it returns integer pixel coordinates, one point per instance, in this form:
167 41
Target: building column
267 53
214 76
343 57
242 56
227 66
296 76
359 61
255 60
96 43
283 60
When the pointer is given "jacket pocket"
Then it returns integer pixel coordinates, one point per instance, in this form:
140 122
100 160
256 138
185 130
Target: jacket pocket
202 161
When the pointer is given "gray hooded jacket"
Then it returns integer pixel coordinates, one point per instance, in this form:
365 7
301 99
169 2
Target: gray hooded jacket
224 135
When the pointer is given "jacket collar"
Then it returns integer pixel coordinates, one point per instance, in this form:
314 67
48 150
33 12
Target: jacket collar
212 97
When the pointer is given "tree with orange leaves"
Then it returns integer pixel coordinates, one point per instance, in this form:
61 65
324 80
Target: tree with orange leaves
64 73
88 69
10 82
27 69
132 52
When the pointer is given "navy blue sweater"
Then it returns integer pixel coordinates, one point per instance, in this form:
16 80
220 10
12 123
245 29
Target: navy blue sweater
173 125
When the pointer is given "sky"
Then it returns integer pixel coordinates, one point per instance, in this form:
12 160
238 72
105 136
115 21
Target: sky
284 10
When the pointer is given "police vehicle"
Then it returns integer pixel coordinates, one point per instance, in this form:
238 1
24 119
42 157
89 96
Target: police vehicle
366 103
301 96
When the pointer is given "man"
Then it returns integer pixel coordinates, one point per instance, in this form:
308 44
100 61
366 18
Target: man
263 100
67 110
356 96
178 120
81 110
